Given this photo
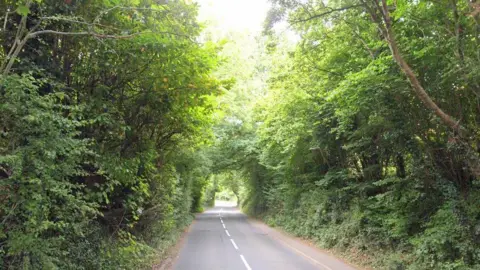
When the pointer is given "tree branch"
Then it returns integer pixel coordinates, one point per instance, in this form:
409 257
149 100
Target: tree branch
84 33
458 32
18 43
386 28
97 18
330 11
6 18
82 22
359 36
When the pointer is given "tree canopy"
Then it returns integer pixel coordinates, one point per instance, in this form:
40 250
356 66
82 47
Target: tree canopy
366 136
353 123
103 104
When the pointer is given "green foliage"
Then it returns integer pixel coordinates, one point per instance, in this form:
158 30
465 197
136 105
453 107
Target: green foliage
103 107
210 191
444 239
41 150
339 149
108 110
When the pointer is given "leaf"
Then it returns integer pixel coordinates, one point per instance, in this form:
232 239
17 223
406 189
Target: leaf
60 95
23 10
105 196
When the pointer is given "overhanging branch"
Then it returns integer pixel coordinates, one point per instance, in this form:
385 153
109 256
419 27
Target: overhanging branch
85 33
330 11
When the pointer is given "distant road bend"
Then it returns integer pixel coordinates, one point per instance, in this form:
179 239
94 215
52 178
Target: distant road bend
223 238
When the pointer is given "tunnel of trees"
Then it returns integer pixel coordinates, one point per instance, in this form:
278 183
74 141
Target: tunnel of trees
356 128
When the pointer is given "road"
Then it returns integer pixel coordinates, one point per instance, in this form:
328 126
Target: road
223 238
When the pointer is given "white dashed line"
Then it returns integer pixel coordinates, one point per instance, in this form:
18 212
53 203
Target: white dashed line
245 262
234 245
233 242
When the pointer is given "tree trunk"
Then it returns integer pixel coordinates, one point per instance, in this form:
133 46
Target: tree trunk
400 166
416 85
380 15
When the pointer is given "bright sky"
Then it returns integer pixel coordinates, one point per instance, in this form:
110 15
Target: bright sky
234 15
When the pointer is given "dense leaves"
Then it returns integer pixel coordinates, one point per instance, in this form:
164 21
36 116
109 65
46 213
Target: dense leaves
356 127
344 149
102 105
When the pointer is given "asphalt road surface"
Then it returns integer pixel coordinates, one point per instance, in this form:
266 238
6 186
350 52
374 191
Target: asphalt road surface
223 238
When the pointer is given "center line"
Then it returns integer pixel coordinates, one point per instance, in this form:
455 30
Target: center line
245 262
227 232
221 221
234 245
224 226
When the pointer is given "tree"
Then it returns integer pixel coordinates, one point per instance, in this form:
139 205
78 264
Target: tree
347 154
104 105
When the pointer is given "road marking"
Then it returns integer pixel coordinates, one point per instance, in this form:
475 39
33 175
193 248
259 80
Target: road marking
224 226
221 221
245 262
227 233
233 243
